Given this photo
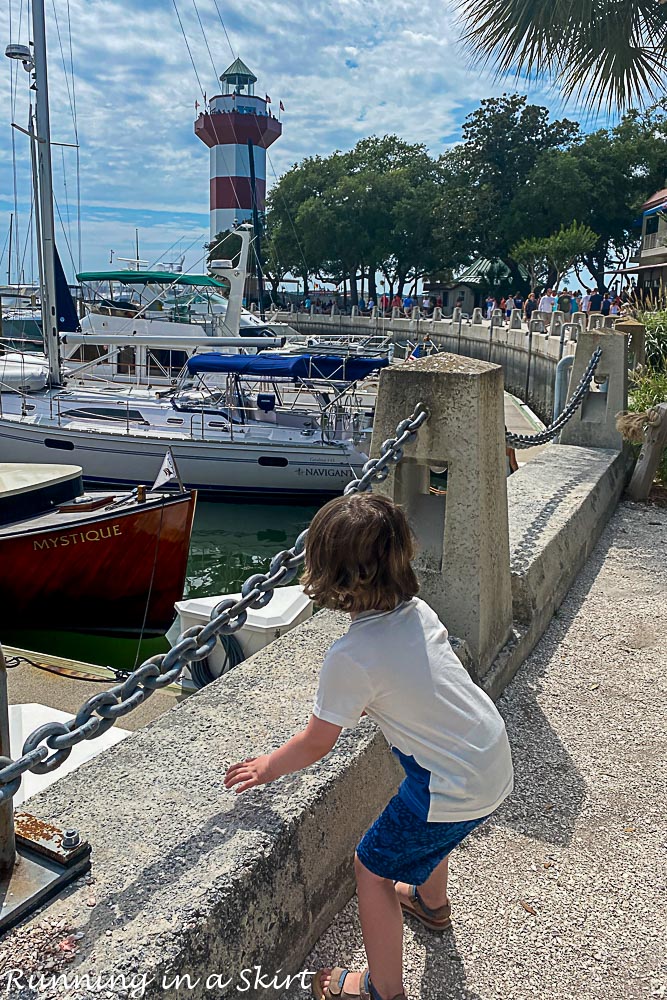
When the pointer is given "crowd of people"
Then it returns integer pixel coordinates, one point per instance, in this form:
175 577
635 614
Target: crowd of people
591 300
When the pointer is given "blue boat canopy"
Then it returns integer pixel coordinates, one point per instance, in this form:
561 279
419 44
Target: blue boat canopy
303 366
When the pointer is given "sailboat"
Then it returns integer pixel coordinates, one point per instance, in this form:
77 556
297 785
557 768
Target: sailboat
66 555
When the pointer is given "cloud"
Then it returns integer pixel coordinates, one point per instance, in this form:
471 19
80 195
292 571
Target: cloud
344 69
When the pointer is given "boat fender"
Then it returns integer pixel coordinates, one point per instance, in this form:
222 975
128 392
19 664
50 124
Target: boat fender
201 672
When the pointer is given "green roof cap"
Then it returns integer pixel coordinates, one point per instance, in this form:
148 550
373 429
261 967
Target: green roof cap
150 278
238 72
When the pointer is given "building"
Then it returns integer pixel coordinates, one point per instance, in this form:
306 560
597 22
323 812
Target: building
470 288
238 128
649 266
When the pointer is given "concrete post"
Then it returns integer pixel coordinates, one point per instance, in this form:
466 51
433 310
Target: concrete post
497 317
609 323
395 312
515 319
581 319
7 840
477 317
456 314
557 320
437 314
595 321
637 334
463 538
594 423
354 311
334 309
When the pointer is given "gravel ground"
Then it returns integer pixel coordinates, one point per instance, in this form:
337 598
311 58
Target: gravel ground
562 894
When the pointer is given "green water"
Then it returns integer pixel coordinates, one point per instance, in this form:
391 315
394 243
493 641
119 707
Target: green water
229 542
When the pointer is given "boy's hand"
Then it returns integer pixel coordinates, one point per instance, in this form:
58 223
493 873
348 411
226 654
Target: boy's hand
249 773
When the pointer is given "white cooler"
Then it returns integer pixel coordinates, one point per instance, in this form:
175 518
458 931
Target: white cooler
288 607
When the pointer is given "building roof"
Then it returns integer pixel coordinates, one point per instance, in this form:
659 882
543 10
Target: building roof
238 72
656 199
483 269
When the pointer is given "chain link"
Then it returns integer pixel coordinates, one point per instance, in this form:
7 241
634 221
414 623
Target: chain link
99 713
573 404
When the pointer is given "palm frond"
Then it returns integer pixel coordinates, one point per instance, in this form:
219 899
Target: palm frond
610 53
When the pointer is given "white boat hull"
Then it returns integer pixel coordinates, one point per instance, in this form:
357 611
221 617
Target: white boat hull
239 467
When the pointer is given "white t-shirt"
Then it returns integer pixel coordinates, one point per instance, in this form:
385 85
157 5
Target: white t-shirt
547 303
399 667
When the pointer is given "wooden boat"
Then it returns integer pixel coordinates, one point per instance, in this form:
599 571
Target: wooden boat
89 562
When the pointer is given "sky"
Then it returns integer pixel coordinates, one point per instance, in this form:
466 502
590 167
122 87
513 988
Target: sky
344 69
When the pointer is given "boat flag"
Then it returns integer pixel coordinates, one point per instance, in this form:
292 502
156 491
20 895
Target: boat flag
168 473
196 105
267 98
281 106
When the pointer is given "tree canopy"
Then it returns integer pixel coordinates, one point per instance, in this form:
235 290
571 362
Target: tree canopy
388 207
606 52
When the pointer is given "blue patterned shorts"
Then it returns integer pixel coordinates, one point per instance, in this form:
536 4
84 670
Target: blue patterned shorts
402 847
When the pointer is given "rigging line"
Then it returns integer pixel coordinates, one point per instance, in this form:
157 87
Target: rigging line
27 237
163 255
62 226
62 56
231 47
208 47
76 136
69 220
187 45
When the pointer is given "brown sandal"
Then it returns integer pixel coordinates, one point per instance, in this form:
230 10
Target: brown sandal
336 988
439 919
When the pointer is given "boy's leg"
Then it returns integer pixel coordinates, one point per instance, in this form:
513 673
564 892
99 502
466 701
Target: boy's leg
382 928
381 921
432 892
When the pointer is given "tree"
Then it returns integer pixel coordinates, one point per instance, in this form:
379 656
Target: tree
608 52
569 245
532 253
503 140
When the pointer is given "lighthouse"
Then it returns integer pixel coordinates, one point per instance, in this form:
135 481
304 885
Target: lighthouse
235 121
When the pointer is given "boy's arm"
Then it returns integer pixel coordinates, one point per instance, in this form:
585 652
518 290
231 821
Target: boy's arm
315 742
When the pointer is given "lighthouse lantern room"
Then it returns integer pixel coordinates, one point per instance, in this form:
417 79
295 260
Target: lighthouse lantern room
235 118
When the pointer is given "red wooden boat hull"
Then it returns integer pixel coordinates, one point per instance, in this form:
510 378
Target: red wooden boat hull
117 571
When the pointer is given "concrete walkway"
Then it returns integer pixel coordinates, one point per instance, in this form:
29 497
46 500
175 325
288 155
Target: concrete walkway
559 895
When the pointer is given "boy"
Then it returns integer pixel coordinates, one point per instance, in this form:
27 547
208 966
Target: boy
396 665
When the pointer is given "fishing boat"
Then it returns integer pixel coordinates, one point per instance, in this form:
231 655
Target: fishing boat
85 561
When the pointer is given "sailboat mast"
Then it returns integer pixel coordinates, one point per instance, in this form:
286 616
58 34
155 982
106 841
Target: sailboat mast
9 259
45 186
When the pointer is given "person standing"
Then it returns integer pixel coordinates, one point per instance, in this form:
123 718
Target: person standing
490 306
596 301
565 302
605 308
530 305
547 302
586 301
509 306
395 665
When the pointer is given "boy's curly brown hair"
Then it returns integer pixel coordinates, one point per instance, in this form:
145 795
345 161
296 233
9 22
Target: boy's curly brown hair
358 553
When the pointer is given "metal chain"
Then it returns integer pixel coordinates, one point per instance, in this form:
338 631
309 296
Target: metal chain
573 404
99 713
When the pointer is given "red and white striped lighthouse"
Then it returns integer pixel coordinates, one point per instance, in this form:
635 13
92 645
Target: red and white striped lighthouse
233 119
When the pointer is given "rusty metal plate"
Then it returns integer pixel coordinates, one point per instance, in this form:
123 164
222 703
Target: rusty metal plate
46 840
32 882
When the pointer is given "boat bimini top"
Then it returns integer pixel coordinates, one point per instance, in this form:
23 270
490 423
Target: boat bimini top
296 366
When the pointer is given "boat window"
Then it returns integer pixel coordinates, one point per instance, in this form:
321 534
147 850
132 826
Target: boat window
104 413
161 361
88 352
273 460
127 361
55 443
